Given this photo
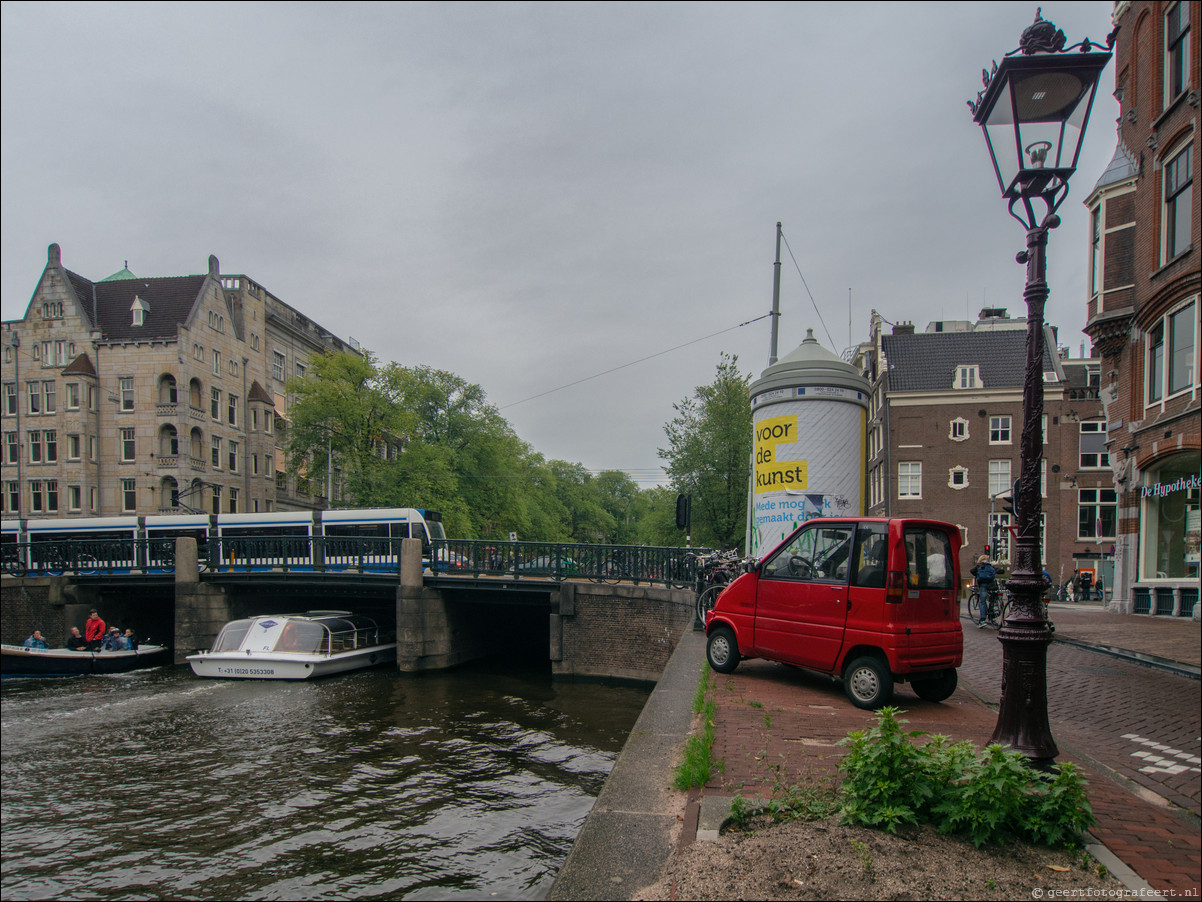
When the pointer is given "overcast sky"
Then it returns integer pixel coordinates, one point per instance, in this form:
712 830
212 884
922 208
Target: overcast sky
528 195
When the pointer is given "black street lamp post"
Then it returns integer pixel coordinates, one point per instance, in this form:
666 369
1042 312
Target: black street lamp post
1033 110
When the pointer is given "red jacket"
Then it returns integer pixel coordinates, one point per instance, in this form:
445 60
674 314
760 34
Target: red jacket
93 630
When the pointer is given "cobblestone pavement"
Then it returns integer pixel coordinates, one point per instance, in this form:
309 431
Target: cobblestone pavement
778 726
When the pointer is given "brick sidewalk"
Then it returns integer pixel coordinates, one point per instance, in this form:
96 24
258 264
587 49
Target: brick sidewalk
1174 638
776 724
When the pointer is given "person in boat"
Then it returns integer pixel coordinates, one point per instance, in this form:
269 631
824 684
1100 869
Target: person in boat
35 640
94 631
113 641
76 641
131 639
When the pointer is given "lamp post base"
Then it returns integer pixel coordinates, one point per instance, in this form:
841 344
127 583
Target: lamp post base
1022 722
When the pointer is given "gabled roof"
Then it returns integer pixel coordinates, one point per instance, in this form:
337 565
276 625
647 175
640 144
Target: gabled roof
927 361
80 366
169 301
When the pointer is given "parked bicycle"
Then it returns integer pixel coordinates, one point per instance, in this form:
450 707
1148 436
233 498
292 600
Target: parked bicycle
715 572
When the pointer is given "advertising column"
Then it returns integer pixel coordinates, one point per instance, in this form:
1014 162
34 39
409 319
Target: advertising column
809 416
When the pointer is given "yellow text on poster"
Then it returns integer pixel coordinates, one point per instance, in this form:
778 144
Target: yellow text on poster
782 475
772 432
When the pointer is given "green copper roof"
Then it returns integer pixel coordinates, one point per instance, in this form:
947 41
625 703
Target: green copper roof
122 274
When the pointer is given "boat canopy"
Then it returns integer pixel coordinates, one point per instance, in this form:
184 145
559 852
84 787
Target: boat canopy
315 633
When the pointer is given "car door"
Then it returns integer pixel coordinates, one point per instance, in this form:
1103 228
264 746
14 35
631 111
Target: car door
801 598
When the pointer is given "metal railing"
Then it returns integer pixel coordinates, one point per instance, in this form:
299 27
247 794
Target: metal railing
638 564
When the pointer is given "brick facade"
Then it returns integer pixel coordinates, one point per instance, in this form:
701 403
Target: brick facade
1143 306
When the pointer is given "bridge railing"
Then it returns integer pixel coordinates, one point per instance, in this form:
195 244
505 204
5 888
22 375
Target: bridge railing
636 564
560 560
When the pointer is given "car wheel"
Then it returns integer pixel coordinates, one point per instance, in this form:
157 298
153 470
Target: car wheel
936 688
868 683
722 650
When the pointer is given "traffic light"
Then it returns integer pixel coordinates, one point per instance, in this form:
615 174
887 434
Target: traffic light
683 505
1010 502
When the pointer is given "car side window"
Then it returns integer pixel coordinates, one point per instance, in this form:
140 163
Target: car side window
872 550
818 553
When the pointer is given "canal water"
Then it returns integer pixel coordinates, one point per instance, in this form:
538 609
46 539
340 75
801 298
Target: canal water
371 785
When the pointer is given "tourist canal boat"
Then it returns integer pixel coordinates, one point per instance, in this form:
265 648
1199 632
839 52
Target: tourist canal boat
294 647
16 660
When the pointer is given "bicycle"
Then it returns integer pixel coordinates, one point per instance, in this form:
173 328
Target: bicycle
996 607
714 573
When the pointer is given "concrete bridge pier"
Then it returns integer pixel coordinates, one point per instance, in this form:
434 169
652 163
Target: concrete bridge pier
432 634
201 610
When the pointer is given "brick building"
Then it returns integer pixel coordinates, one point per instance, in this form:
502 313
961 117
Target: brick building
1143 306
151 395
944 423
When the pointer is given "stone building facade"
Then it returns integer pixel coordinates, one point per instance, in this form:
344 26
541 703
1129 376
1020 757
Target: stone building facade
1143 306
134 396
944 422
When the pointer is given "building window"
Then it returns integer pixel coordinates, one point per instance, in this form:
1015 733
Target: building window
300 371
1170 544
957 478
1097 514
50 437
1093 445
73 447
215 403
72 396
216 363
1178 202
1000 482
277 366
233 458
74 498
35 397
10 399
909 479
216 507
1175 336
52 310
12 496
233 505
959 430
216 321
1095 252
198 351
254 341
48 396
12 449
129 495
1176 51
232 410
127 393
128 445
35 446
999 536
999 430
216 453
967 377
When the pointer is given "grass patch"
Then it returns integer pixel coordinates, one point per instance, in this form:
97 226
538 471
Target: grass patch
697 765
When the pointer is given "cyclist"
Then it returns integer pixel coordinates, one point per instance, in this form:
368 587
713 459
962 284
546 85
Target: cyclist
986 577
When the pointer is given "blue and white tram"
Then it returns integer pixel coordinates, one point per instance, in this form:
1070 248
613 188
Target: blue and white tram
371 539
264 541
161 531
85 545
12 554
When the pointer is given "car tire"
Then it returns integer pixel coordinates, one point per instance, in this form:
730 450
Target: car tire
936 688
722 650
868 683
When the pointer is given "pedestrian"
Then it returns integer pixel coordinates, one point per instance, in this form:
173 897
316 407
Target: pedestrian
131 639
986 577
1100 589
94 631
113 641
35 640
76 641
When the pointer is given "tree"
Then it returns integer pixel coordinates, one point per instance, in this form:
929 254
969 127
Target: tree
709 454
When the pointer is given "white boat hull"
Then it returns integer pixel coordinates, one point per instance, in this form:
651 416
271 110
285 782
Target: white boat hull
242 665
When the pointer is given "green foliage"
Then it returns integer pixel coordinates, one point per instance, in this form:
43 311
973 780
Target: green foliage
709 454
990 796
697 765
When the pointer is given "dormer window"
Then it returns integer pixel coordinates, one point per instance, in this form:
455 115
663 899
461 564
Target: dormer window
138 308
968 377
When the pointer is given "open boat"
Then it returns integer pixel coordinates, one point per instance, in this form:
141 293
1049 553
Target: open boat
294 647
16 660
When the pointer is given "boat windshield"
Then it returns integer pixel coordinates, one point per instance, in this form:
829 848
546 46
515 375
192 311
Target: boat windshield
303 636
231 635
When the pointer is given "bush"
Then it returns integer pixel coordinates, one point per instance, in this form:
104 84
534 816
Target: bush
991 795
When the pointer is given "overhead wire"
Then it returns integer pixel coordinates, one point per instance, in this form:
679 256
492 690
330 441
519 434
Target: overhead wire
807 288
634 362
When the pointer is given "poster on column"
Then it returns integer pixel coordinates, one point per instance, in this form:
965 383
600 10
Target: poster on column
808 463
